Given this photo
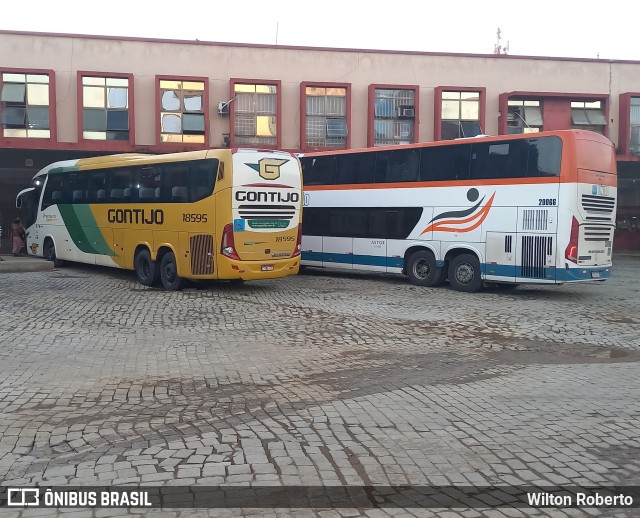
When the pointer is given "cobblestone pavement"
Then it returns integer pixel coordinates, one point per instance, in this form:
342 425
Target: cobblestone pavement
319 379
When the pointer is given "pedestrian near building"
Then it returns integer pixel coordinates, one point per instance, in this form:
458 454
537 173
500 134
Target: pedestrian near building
18 237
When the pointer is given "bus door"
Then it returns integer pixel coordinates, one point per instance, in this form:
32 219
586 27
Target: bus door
536 244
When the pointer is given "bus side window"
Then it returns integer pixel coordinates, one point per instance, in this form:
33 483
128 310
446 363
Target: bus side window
97 186
74 188
356 168
202 178
146 180
445 163
544 156
53 191
120 185
319 170
499 160
400 165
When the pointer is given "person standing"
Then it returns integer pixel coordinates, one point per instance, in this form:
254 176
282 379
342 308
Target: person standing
18 236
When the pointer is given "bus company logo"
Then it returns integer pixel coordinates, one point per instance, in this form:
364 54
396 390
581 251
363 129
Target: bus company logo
462 220
23 497
34 248
268 168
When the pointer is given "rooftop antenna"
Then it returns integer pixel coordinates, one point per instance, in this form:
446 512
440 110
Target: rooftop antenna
277 32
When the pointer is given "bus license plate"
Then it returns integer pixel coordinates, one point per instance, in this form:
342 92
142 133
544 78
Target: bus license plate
595 275
267 268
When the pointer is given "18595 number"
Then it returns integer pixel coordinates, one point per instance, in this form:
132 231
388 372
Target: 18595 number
547 201
194 218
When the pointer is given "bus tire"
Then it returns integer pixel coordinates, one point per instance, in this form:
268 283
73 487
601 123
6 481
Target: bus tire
146 269
49 252
465 273
169 273
422 269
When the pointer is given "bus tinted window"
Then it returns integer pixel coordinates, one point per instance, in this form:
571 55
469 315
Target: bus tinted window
361 222
399 165
318 170
499 160
202 178
147 183
175 182
120 185
53 191
445 163
356 168
74 189
544 156
97 184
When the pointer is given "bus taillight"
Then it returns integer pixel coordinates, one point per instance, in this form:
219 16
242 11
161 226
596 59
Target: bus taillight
296 249
228 244
571 252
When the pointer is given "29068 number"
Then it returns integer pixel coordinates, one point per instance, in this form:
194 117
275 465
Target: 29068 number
194 218
547 201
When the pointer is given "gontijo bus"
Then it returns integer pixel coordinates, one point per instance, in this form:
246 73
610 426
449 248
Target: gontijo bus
216 214
534 208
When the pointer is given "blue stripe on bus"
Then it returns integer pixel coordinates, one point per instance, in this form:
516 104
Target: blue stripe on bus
501 270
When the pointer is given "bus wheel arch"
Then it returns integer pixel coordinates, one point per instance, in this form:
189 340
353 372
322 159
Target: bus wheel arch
465 270
49 251
146 268
421 268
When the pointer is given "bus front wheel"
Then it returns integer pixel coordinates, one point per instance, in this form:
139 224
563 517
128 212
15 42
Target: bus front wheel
464 273
49 253
146 269
422 269
169 273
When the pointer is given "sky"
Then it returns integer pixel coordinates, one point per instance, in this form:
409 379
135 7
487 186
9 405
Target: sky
559 28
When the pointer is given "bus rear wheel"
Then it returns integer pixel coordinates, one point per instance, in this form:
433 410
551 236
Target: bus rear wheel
169 273
464 273
422 269
49 252
146 269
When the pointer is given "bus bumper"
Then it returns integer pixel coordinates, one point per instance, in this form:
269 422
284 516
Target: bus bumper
583 274
252 270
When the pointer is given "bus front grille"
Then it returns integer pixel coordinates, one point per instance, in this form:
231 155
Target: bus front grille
535 250
201 254
267 211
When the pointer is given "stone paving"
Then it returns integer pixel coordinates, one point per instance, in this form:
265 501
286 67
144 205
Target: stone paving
324 378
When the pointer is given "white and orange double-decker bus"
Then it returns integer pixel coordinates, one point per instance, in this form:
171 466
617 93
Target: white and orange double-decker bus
211 214
534 208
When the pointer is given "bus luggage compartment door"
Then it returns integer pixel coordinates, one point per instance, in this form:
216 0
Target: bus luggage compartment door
500 257
337 252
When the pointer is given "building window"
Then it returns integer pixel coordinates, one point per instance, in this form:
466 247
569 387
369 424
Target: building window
588 116
105 108
460 115
326 116
394 114
634 126
182 111
25 105
524 117
256 114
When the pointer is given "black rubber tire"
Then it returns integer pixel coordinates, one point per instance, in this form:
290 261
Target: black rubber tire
422 269
465 273
146 269
49 252
169 273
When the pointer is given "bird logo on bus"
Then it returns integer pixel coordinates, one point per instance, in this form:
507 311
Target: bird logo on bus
462 220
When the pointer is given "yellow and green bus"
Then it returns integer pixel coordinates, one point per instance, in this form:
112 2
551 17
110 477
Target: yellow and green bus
213 214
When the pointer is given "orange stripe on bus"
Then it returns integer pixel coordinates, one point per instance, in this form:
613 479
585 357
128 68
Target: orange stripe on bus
441 226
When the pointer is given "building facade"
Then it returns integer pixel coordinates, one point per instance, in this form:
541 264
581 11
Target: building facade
68 96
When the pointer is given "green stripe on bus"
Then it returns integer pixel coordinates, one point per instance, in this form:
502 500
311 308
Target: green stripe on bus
84 230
